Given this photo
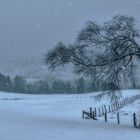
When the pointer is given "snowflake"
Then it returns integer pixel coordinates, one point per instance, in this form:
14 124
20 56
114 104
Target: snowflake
69 4
37 26
116 12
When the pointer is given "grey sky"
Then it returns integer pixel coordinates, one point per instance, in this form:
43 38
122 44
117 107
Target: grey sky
28 28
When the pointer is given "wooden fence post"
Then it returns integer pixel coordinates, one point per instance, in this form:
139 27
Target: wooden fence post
91 111
105 117
99 112
116 106
134 119
95 112
109 109
105 109
121 104
118 118
102 110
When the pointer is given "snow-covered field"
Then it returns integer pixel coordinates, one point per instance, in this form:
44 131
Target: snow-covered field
58 117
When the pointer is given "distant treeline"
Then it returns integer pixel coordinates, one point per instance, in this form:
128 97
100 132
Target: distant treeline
19 85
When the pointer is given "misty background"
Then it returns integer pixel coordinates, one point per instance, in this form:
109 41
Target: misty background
29 28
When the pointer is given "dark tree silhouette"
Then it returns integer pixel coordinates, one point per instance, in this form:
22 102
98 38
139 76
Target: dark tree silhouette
105 52
19 84
81 85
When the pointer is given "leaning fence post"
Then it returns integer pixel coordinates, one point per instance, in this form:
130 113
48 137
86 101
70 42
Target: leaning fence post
134 118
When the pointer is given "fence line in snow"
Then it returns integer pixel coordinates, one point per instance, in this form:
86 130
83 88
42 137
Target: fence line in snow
104 110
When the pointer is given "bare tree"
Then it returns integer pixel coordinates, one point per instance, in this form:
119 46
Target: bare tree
106 52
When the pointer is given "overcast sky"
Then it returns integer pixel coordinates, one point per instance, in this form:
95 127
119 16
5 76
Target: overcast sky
29 28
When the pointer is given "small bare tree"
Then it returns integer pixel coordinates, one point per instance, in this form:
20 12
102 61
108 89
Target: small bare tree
106 52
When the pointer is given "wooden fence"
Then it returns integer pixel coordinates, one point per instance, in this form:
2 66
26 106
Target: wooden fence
8 99
104 110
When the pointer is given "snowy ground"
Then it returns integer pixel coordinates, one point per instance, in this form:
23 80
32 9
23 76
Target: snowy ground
58 117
